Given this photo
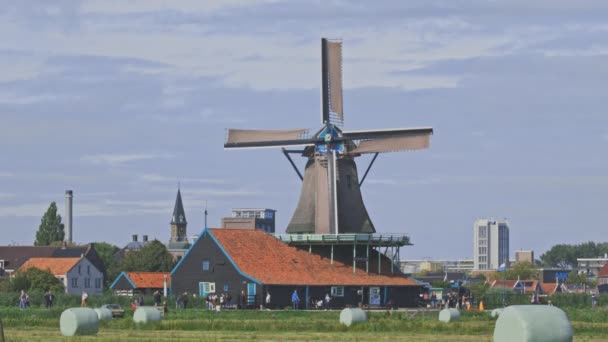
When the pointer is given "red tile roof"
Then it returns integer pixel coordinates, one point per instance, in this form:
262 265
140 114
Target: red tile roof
272 262
56 266
149 280
548 288
603 271
507 283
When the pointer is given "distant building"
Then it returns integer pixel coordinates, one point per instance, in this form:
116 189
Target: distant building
244 218
76 274
133 245
524 256
490 244
591 266
418 266
144 283
12 257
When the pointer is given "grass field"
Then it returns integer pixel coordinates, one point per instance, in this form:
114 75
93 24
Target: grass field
198 325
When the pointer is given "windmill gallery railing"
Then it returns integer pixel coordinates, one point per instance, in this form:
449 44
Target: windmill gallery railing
381 240
392 241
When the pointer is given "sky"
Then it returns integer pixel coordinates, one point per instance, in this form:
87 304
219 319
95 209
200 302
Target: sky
121 100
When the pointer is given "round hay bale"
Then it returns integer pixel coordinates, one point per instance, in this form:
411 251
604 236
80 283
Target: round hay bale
533 323
448 315
146 314
349 316
496 312
103 314
79 321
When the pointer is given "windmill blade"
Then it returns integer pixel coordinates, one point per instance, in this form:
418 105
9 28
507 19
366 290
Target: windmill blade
241 138
389 140
331 78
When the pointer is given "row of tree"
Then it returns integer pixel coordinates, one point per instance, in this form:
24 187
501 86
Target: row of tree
564 255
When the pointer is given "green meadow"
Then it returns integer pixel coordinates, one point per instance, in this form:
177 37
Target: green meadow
199 325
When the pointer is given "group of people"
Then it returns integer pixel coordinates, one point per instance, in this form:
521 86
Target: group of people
181 301
322 303
463 301
137 303
217 303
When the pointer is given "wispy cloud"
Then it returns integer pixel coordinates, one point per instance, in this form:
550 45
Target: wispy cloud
164 179
119 159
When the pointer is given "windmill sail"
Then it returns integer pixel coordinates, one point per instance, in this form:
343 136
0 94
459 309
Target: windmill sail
331 69
392 140
266 138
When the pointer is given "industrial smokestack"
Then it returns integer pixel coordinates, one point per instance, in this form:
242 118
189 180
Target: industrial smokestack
68 215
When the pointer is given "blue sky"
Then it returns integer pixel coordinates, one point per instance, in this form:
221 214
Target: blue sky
120 100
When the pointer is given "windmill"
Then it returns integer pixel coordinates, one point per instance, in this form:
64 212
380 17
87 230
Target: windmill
330 200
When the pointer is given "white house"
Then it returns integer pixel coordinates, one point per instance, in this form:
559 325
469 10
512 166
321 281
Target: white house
76 274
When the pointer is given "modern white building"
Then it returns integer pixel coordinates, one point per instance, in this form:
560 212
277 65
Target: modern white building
490 244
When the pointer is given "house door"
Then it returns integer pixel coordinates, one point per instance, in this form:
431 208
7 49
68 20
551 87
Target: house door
250 293
374 296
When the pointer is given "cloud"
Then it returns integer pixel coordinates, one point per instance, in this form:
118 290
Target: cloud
164 179
38 209
119 159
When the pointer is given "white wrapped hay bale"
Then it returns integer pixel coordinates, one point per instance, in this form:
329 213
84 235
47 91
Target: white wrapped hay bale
448 315
533 323
146 314
349 316
79 321
496 312
103 314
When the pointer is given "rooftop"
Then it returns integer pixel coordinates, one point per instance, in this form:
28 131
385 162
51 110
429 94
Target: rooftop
56 266
268 260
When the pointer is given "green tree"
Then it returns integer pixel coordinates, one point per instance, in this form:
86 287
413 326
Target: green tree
153 257
521 270
564 256
35 279
106 253
51 228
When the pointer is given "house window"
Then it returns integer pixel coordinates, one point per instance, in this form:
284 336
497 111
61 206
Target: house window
78 269
337 291
89 269
87 283
205 265
74 282
97 283
208 287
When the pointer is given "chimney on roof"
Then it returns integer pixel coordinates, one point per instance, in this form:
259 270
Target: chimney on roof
145 238
134 237
68 215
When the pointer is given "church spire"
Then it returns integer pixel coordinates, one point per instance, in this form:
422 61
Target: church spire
179 215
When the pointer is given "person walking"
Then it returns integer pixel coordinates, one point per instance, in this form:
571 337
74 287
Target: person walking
593 300
295 299
22 300
243 300
326 301
48 299
157 297
267 302
84 298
